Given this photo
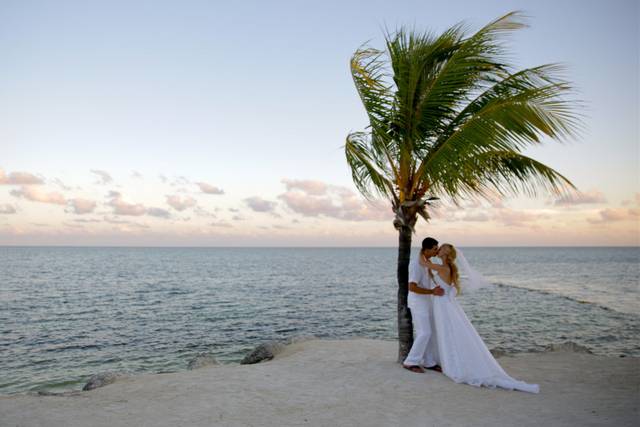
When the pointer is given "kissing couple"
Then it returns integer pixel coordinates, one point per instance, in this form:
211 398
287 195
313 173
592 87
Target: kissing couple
445 340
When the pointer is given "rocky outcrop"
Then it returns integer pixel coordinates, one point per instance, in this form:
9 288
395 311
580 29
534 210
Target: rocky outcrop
269 350
568 346
102 379
201 360
265 351
498 352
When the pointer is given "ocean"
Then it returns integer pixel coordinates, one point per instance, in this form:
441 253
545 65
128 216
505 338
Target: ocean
69 312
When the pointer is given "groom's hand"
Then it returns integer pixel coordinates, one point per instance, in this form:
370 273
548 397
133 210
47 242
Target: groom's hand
438 291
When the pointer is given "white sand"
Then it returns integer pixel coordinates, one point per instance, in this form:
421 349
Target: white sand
348 383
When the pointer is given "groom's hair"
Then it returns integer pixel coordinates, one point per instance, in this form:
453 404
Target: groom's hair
429 243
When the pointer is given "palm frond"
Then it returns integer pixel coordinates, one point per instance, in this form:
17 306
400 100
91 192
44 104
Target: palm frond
473 61
368 73
369 172
514 113
504 172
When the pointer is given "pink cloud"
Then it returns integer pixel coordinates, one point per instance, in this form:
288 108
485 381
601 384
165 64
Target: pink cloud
180 203
475 217
158 212
308 205
120 207
37 194
515 218
209 189
628 202
19 178
314 198
126 224
591 197
315 188
82 206
616 215
259 204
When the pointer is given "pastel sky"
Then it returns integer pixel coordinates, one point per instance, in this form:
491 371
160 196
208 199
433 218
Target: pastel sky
203 123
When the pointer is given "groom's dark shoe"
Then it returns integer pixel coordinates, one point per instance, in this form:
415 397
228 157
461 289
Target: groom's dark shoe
436 368
414 368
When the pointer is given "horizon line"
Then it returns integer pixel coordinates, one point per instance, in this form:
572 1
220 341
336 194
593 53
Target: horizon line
304 247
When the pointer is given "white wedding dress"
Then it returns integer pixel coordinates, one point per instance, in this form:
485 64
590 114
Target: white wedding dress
460 351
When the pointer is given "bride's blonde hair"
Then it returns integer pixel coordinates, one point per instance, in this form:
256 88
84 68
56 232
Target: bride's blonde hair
451 262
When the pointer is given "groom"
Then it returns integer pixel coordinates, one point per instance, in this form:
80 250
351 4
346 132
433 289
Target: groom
421 288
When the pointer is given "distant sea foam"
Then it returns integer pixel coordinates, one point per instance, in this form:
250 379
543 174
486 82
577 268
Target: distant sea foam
67 313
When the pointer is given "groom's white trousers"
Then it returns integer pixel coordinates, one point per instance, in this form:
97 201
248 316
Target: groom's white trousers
420 354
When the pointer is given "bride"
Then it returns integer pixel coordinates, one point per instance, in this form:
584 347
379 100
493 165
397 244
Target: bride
462 354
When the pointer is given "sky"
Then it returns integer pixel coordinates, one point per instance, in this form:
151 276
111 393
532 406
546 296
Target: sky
205 123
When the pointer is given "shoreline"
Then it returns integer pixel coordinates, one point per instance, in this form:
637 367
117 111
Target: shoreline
348 382
497 352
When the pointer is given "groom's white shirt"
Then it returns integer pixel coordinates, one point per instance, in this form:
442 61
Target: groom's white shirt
421 313
418 275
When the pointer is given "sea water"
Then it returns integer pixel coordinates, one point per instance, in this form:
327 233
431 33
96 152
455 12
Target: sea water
67 313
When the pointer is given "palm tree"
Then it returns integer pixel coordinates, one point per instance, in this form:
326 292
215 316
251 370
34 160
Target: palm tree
449 119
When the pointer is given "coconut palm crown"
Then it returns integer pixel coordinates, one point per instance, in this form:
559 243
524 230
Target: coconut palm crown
449 118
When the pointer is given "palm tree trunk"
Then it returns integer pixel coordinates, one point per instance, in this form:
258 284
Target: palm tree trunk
405 325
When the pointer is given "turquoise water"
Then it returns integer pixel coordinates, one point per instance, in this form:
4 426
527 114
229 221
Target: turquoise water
67 313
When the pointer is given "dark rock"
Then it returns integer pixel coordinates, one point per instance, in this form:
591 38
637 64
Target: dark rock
568 346
265 351
498 352
101 380
201 360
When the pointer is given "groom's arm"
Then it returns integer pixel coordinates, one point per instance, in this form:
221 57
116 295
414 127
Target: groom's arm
413 287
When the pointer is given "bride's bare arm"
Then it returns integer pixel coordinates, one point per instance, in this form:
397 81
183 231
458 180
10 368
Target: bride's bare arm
437 267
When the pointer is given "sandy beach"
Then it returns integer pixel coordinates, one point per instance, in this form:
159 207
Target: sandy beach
348 382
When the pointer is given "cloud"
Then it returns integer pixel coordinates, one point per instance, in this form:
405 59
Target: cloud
203 212
221 224
180 203
259 204
61 184
136 174
82 206
515 218
104 177
19 178
7 209
37 194
180 180
158 212
636 197
125 223
616 215
120 207
314 198
314 188
209 189
591 197
474 217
